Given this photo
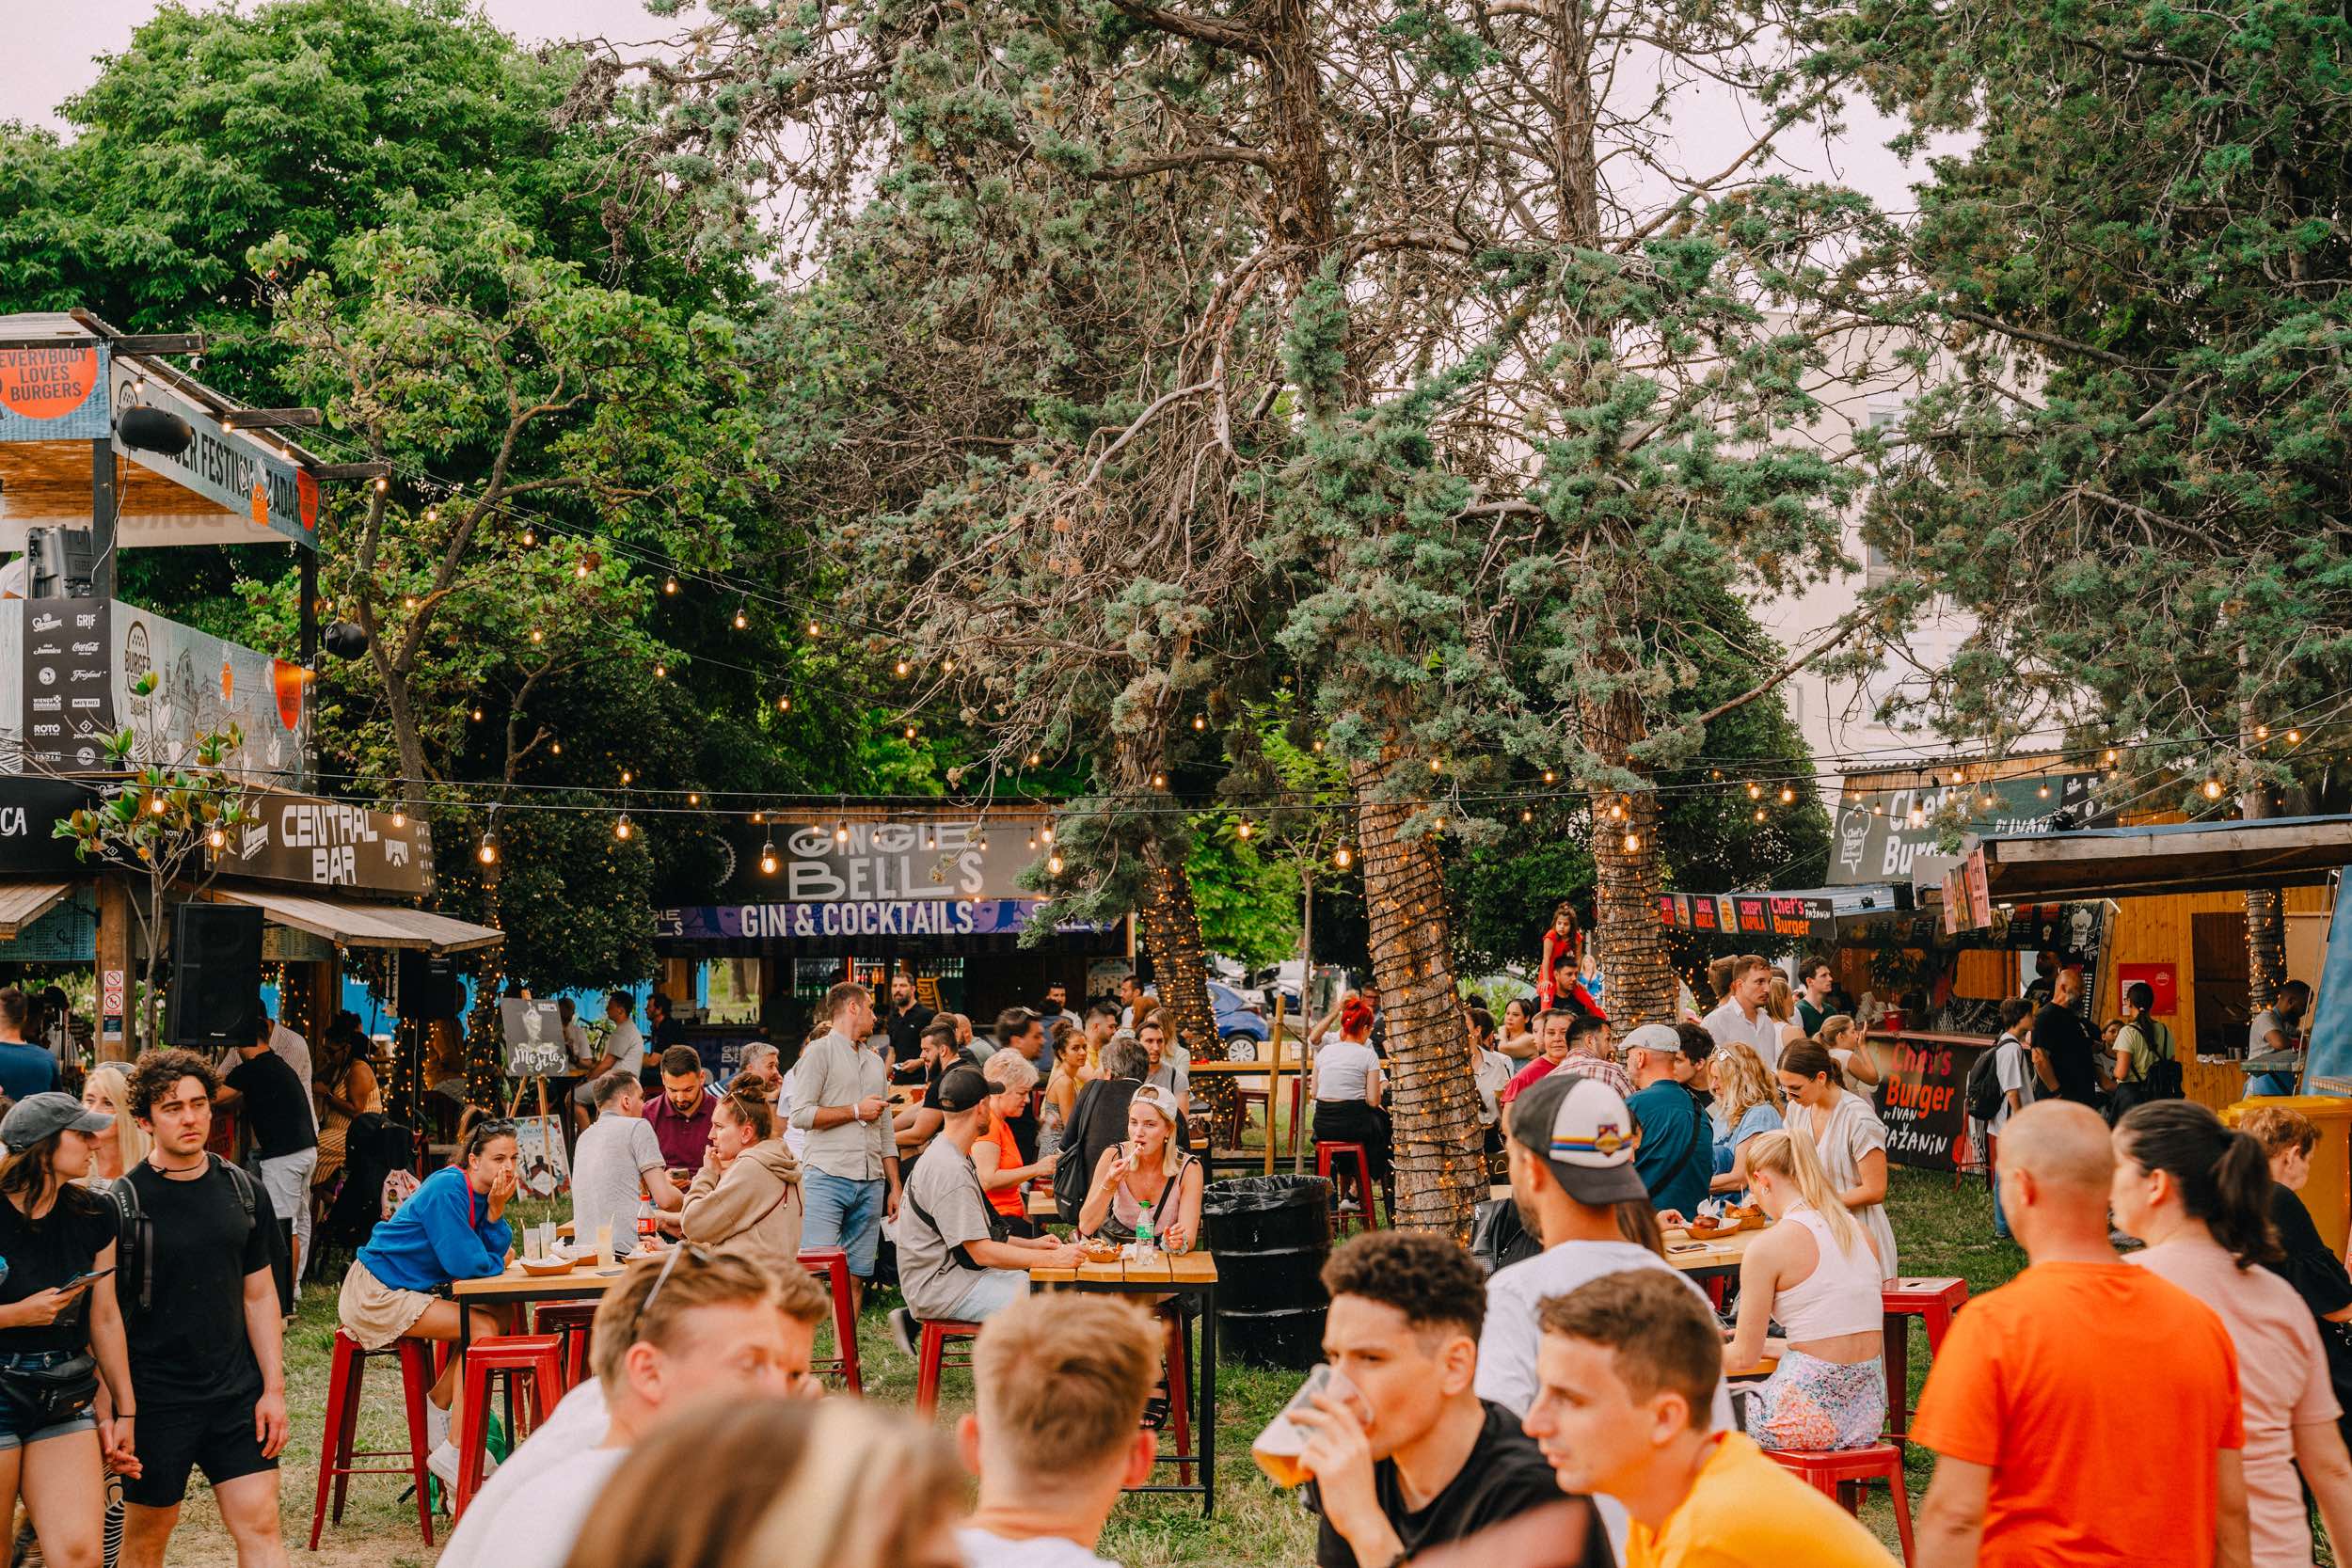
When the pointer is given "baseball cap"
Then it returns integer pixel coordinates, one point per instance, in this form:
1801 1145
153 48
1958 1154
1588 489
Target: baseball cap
1585 1134
39 1115
959 1089
1159 1099
1652 1037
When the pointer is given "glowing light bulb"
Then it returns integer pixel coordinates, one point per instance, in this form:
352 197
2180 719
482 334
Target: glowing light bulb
1342 857
1633 842
1243 829
217 839
627 777
768 858
1759 813
2294 737
1787 796
622 827
1756 792
741 620
1054 865
1159 780
693 798
400 820
487 853
902 667
669 585
2213 790
1916 816
840 833
784 705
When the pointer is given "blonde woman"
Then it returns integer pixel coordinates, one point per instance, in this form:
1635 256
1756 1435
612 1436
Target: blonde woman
746 1198
122 1145
1747 1104
781 1483
1149 1169
1817 1274
1780 1006
995 1157
1848 1136
1842 1038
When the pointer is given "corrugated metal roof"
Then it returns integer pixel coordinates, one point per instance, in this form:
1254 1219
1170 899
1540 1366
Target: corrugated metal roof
358 923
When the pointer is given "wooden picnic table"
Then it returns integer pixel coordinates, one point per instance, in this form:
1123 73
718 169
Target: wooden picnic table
1701 1257
1190 1274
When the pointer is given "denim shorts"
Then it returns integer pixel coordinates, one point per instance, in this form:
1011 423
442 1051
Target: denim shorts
840 1212
17 1428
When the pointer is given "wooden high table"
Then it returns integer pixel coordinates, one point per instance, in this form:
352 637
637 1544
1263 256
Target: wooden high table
585 1282
1183 1275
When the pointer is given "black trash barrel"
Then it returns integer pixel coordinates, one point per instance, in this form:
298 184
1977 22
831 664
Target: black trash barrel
1270 1239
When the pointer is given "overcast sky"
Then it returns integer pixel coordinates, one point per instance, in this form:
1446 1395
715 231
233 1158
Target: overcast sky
51 51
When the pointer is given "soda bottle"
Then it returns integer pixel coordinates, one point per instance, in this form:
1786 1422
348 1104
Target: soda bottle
644 1218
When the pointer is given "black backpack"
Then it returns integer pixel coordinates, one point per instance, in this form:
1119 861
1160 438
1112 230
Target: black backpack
1984 1086
134 1236
2162 1080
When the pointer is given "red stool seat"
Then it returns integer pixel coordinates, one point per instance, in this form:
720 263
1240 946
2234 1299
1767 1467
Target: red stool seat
1933 1301
933 1358
336 1450
571 1321
1839 1474
832 1265
1325 1153
535 1358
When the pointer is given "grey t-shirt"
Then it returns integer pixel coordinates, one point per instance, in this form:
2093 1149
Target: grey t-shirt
949 1189
608 1167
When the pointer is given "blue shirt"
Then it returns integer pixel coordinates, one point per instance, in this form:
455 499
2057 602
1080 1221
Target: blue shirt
1673 1157
1758 1117
443 1233
26 1070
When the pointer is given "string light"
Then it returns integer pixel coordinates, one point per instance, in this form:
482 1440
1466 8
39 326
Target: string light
556 747
1035 758
693 798
1318 746
1436 765
626 776
813 629
2294 737
2262 732
1159 780
1985 802
741 620
784 705
488 851
1551 777
669 585
530 537
477 716
1526 816
2213 790
1053 864
1243 829
1916 816
758 817
1756 791
1048 831
1633 842
1342 857
155 804
431 514
1759 813
2043 792
382 485
948 665
538 636
1200 721
840 832
2110 756
217 839
1787 796
399 817
910 732
1441 824
622 827
768 858
660 671
902 669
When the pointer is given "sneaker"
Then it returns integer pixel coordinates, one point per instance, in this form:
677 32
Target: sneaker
1349 1206
904 1331
443 1462
436 1426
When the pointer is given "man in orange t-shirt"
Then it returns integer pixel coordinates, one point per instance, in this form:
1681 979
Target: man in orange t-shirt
2070 1408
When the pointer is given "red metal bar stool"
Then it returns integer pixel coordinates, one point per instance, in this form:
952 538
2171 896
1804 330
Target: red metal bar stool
933 1358
1933 1302
832 1265
1839 1474
1244 1098
1325 1154
1179 1388
538 1359
336 1450
572 1321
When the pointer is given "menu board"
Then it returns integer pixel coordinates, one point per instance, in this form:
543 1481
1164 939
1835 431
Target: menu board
68 702
1924 1101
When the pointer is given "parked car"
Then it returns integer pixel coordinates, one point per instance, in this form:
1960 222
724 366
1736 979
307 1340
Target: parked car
1239 1017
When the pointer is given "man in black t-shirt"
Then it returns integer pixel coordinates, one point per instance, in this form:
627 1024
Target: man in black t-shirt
201 1320
906 1020
1434 1462
285 1134
2065 1055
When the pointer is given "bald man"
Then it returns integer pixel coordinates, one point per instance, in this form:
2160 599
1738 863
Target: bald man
2079 1356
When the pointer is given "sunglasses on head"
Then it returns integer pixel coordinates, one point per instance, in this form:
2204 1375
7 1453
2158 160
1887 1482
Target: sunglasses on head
700 1258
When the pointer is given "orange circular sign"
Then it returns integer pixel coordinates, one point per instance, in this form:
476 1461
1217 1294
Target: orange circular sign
46 383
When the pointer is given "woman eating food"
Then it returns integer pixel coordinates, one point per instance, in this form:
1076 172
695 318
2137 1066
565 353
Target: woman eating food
1150 1170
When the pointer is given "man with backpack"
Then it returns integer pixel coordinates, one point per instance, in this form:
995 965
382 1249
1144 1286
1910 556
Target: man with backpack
2146 1066
1996 1088
201 1315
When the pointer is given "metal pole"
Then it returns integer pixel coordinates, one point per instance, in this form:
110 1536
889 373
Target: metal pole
309 575
1306 1010
102 504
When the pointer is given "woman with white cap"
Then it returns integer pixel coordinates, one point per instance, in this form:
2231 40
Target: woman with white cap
60 1329
1150 1170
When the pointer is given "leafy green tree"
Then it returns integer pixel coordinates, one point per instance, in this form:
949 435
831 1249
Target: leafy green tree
1248 897
2133 478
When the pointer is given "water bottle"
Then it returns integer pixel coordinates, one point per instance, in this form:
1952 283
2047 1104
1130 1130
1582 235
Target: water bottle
1143 1228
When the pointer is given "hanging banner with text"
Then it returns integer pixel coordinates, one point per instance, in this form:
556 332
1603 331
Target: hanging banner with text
1923 1101
67 697
55 393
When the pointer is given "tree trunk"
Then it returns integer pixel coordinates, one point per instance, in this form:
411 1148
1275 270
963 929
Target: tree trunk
1433 1097
1171 929
2266 922
1625 928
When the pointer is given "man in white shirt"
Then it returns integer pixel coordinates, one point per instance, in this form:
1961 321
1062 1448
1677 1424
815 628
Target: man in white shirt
1743 1016
1570 1145
614 1159
1062 1380
2011 1068
684 1324
624 1051
841 1099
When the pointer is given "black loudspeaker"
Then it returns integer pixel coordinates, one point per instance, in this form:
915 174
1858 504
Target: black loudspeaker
428 986
215 975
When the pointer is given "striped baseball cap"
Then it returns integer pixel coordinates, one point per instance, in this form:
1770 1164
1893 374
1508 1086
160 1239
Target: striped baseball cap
1585 1134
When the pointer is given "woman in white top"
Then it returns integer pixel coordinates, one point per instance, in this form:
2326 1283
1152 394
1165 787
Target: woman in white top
1849 1138
1815 1275
1348 1090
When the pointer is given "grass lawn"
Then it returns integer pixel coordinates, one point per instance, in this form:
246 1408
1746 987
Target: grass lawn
1941 1231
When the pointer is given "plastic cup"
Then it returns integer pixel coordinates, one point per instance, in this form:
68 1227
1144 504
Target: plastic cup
604 1244
1276 1449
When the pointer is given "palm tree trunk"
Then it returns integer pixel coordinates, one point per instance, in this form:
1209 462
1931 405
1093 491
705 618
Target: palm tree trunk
1433 1097
1627 881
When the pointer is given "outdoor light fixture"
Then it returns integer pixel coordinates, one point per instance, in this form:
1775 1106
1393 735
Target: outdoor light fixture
741 620
1159 780
1243 829
1633 842
784 705
1916 816
1048 831
489 852
1787 796
669 585
660 671
1053 864
768 858
622 827
840 832
1756 791
217 839
1342 857
1759 813
400 819
2213 790
626 775
346 639
693 798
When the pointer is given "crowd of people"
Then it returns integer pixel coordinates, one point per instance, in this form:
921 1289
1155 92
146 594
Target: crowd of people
1583 1403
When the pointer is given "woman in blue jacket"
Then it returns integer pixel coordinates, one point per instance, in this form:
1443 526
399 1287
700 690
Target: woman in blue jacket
450 1228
